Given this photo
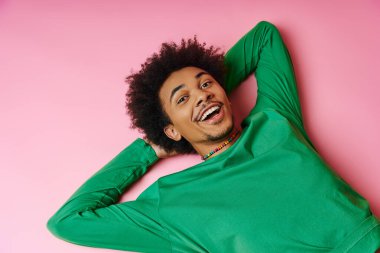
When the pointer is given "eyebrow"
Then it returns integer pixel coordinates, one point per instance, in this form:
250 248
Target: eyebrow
197 76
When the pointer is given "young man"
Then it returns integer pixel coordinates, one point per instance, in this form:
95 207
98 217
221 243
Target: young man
262 187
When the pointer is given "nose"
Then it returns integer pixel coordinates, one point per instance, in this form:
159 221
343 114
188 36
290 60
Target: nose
203 96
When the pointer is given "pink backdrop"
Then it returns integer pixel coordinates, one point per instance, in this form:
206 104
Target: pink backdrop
63 65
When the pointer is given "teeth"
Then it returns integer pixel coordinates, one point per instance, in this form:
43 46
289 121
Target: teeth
211 110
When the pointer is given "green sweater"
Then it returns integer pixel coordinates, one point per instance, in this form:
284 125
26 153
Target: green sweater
269 192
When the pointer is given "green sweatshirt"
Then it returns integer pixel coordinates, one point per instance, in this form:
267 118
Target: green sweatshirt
269 192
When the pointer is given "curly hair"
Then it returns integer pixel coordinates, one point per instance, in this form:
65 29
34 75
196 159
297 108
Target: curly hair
142 99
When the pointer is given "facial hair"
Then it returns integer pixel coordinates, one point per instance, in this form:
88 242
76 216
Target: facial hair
222 135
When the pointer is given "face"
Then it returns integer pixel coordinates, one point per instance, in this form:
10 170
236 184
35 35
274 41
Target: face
197 106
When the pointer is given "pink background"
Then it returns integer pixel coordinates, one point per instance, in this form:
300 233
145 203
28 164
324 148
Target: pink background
63 65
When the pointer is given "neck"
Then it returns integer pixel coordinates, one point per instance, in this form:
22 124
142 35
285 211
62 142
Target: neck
218 147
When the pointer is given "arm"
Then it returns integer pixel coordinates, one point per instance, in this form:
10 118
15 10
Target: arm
91 216
263 51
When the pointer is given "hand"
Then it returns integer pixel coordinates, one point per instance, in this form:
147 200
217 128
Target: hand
160 152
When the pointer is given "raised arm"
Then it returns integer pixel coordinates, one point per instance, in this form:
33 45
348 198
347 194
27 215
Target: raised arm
91 216
263 51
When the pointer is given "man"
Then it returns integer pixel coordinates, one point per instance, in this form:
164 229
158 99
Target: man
261 188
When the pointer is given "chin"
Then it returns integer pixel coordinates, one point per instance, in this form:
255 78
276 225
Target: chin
221 132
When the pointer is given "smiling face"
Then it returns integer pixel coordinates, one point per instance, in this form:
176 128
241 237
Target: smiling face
197 106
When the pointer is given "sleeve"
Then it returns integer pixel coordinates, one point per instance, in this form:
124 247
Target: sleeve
263 51
92 218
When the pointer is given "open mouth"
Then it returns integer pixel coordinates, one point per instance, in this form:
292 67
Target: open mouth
213 115
210 113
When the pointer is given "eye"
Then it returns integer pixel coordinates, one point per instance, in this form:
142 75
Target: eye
181 99
206 84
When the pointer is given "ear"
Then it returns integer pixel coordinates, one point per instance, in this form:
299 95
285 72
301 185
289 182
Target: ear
172 132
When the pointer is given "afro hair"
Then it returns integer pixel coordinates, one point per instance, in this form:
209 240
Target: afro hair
142 98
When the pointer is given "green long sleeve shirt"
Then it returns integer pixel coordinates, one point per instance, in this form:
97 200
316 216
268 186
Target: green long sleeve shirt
269 192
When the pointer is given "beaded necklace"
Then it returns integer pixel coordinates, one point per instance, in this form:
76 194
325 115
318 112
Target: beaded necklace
221 146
